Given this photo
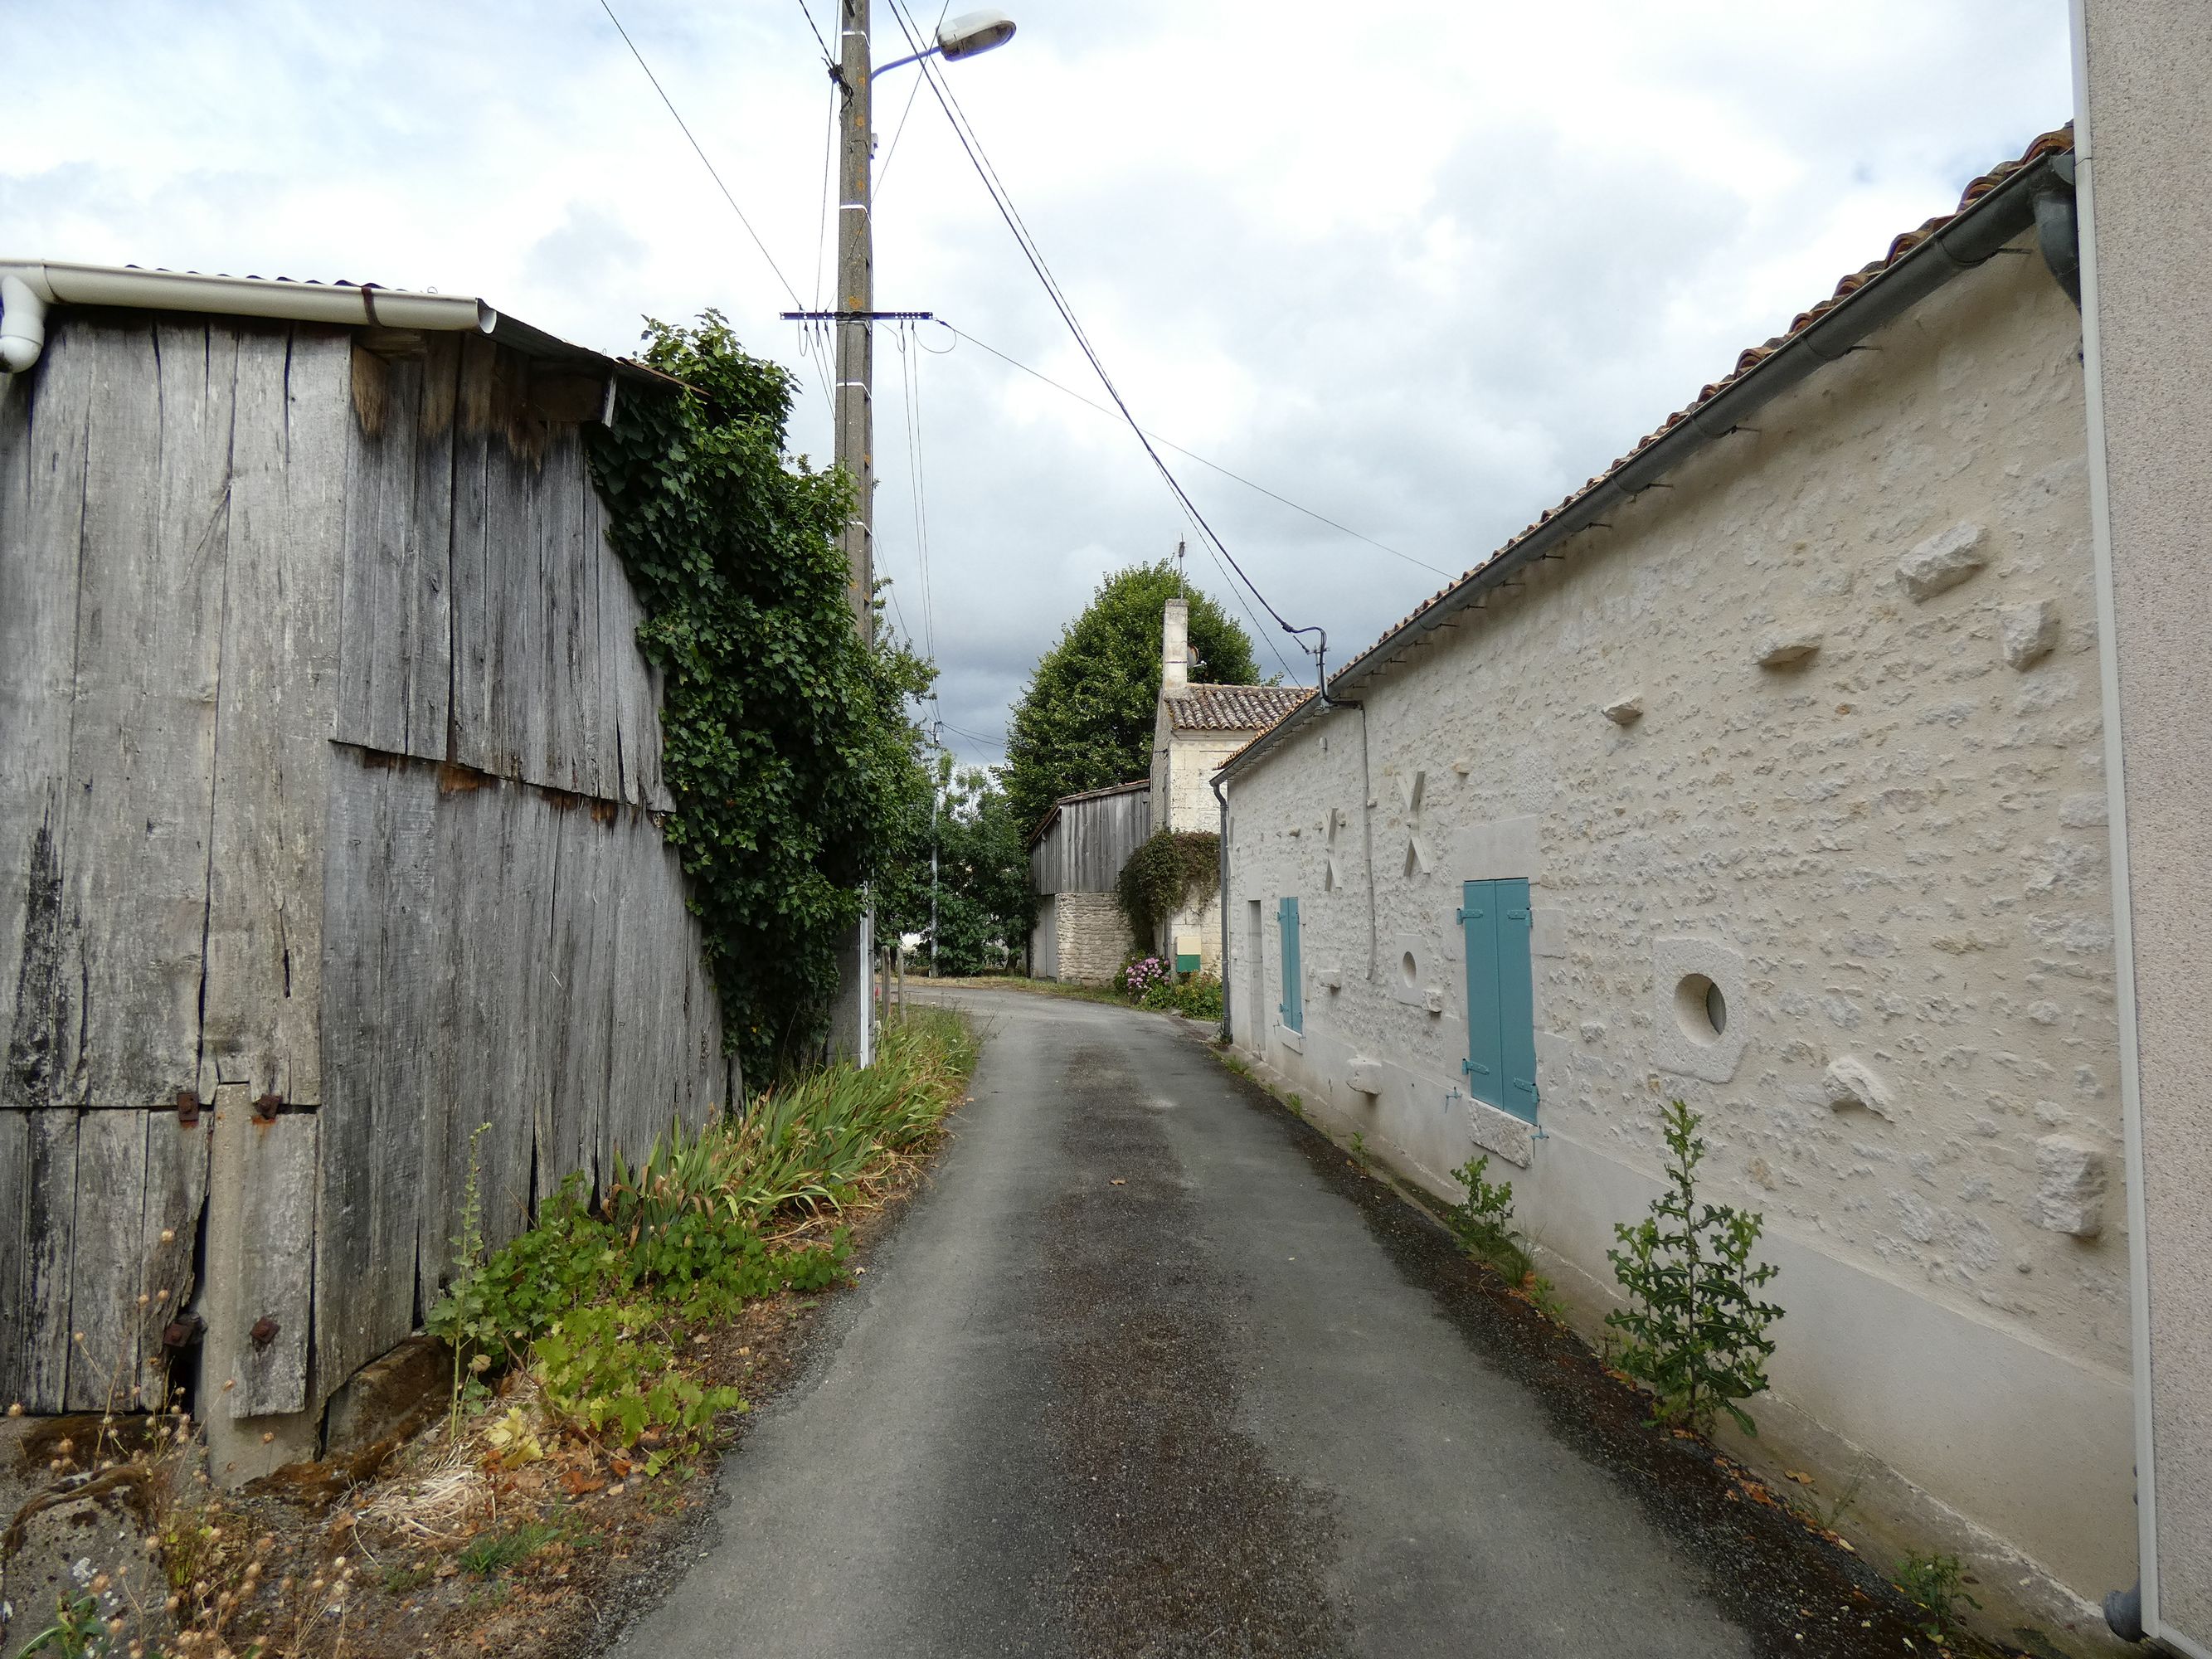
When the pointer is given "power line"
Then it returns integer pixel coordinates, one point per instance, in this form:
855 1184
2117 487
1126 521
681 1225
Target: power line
827 57
972 144
702 154
1170 443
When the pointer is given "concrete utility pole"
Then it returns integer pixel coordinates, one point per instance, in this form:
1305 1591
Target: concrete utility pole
856 294
852 1022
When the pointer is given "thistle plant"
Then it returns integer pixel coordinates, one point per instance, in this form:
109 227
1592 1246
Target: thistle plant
1695 1331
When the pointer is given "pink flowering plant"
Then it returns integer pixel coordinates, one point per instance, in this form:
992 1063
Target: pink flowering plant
1149 981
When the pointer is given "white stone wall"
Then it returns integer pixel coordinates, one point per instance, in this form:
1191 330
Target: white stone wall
1889 853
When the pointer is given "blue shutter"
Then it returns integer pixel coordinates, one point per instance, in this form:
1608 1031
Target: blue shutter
1516 1000
1485 1065
1292 1007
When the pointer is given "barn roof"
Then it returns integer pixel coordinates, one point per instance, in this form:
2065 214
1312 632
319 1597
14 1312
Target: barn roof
1992 211
1232 708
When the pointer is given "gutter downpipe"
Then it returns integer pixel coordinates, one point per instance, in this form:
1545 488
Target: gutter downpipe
1967 242
2132 1613
1228 1005
28 287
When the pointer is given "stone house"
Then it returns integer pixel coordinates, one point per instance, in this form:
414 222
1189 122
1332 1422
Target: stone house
1196 728
1766 772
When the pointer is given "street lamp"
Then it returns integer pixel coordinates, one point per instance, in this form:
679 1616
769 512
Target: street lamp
969 35
965 36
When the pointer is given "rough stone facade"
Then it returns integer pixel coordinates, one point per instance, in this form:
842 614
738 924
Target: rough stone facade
1820 722
1090 937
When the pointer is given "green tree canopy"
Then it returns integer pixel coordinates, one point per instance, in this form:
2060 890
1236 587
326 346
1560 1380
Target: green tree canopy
1086 720
984 904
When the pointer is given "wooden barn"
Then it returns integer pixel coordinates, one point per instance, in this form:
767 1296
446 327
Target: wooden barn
1076 855
329 787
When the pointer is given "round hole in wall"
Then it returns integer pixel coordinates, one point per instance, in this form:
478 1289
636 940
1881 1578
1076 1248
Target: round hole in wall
1701 1008
1407 971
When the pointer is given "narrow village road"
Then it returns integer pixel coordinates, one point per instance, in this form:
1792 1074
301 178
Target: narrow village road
1135 1376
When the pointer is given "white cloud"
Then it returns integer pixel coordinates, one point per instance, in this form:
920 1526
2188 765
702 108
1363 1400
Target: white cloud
1421 269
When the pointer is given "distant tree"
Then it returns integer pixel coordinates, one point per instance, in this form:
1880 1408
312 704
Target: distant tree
1086 720
983 888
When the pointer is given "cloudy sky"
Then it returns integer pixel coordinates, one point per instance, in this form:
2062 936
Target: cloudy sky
1419 268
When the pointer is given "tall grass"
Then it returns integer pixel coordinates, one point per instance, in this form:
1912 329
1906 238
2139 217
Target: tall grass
808 1146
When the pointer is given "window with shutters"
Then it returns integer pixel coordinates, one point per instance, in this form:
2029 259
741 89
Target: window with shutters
1292 1007
1501 996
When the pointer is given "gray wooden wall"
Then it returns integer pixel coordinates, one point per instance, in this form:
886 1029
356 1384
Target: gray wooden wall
1090 841
328 773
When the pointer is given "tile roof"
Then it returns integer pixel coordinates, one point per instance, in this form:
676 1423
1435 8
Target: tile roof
2057 142
1232 708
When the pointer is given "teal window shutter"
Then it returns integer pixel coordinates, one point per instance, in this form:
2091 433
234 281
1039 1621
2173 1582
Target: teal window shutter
1485 1065
1516 1000
1501 996
1292 1007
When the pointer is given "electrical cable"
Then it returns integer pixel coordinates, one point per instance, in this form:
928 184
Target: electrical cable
827 57
1170 443
971 144
702 154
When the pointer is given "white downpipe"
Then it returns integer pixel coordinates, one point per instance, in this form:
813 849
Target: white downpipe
27 287
22 324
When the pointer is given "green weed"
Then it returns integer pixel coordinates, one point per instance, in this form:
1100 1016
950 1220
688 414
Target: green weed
1696 1334
487 1555
1482 1221
1936 1585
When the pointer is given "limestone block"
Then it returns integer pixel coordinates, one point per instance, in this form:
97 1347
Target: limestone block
1329 979
1500 1133
1943 561
1785 648
1851 1082
1625 711
1677 1044
2030 631
2070 1186
1433 1000
1363 1076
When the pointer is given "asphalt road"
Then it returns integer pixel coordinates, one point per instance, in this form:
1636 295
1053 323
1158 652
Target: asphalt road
1135 1376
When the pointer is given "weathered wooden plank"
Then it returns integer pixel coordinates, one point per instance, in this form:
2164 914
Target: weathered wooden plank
472 600
176 1196
570 602
261 1003
379 1018
583 995
142 745
523 923
15 1254
51 1231
395 666
43 419
276 1267
105 1267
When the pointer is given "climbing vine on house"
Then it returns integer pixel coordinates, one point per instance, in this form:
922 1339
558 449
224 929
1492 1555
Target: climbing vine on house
1172 871
787 744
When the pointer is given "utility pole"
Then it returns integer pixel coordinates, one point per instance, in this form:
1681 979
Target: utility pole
852 1030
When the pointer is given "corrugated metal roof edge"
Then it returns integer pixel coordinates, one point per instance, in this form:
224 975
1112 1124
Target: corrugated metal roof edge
1986 223
304 299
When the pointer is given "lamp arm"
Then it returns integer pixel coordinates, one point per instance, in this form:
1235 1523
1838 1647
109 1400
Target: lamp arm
901 62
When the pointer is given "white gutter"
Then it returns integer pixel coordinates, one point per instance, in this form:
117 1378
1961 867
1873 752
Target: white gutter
28 287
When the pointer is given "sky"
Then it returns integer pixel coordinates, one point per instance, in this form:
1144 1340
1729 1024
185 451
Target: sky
1421 269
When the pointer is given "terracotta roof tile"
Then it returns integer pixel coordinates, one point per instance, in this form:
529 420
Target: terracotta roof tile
1232 708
